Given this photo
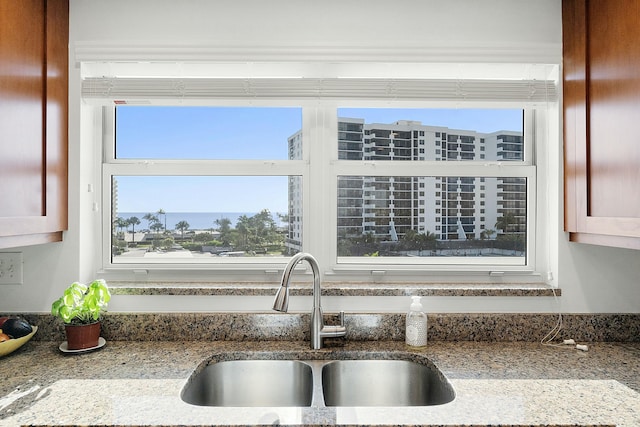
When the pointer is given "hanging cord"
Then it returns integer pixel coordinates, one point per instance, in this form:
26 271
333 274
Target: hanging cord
553 333
548 339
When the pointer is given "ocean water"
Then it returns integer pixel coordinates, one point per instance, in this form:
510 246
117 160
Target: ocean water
196 220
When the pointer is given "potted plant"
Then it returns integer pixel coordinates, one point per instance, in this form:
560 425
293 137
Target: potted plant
80 307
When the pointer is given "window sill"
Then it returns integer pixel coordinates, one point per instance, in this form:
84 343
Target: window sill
336 289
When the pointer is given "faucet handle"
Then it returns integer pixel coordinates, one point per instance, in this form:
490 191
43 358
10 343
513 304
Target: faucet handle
334 330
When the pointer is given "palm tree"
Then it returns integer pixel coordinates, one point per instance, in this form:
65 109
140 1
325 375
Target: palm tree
409 239
133 221
224 227
120 223
413 240
182 226
486 234
426 240
283 217
243 229
150 218
155 226
162 212
507 219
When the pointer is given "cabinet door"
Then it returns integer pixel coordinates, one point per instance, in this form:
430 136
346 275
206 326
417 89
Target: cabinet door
33 120
601 76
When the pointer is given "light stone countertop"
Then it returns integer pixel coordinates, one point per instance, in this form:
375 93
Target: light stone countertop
138 383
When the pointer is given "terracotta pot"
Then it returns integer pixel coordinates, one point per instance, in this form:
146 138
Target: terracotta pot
82 336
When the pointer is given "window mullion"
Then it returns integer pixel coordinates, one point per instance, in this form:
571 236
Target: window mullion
330 179
320 192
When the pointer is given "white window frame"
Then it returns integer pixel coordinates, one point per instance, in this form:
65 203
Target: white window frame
154 167
403 267
319 169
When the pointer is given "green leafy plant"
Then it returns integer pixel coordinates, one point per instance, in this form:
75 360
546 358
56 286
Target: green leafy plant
81 304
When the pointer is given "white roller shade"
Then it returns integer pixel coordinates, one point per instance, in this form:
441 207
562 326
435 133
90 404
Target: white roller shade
138 89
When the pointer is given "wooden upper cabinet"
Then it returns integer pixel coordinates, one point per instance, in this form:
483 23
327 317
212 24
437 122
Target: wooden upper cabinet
34 38
601 84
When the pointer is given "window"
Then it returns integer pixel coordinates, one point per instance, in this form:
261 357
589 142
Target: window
239 183
387 226
205 192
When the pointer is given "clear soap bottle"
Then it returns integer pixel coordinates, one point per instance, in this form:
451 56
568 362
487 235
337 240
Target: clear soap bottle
416 328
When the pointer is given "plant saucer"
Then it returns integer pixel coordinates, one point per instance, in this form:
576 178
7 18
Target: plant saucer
63 347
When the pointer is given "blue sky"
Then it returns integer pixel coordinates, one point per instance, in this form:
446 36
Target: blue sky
205 133
485 121
242 133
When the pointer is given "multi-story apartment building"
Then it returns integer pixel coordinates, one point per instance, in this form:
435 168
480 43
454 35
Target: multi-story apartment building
450 208
293 240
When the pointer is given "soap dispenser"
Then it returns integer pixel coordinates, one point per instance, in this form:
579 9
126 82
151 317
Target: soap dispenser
416 328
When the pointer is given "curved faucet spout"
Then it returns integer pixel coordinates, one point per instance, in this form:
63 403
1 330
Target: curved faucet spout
281 302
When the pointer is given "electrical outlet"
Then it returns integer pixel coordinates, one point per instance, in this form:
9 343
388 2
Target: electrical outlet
10 268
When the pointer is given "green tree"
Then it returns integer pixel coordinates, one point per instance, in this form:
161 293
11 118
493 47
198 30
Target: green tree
408 240
345 244
426 240
365 244
133 221
258 232
242 228
486 234
156 227
203 237
368 238
182 226
224 227
150 218
505 222
167 242
121 223
164 214
283 218
412 240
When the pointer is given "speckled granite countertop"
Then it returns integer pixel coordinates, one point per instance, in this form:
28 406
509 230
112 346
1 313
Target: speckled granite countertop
505 384
335 289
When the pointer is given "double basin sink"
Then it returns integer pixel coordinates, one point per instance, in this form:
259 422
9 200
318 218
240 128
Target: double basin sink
361 382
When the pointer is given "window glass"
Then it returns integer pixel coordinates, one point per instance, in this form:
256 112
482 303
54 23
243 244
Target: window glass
432 216
196 217
162 132
388 216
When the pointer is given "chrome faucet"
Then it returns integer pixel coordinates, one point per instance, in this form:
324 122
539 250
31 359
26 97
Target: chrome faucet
318 329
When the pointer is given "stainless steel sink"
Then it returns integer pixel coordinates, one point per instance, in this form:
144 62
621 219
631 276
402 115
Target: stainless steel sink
384 383
317 383
251 383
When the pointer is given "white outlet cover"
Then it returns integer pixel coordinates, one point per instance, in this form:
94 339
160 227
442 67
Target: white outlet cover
11 268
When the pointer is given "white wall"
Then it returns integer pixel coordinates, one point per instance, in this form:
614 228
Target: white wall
593 279
311 23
